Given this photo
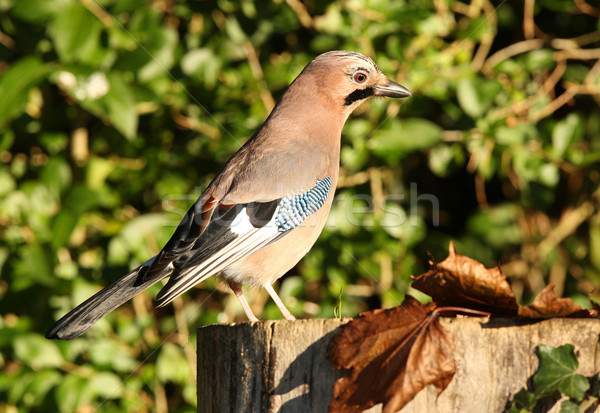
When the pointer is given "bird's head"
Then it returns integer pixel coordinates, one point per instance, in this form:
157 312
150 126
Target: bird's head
329 88
347 79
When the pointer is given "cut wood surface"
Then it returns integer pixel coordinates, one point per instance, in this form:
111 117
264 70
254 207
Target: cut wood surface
280 366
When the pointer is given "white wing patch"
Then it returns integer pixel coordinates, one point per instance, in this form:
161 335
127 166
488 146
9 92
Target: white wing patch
249 239
241 224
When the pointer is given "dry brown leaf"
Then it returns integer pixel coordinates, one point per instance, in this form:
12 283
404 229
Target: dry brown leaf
548 305
392 355
460 281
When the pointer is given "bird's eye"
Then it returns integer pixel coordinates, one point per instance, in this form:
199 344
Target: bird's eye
360 77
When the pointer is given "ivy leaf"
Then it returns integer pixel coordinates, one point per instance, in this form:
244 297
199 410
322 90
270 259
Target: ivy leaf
569 407
557 372
524 400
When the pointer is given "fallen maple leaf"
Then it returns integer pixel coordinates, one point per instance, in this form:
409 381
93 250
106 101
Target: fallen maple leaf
461 281
548 305
392 355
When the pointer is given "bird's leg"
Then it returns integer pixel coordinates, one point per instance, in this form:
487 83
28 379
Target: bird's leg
286 313
237 290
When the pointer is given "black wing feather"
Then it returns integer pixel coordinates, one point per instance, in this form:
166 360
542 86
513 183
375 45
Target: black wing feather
86 314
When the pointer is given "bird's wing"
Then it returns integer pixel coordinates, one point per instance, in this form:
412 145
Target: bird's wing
257 174
191 227
235 231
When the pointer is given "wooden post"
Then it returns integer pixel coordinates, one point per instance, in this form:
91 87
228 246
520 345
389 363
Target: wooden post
280 366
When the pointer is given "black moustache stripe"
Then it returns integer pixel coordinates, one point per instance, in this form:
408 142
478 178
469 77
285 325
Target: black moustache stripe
358 94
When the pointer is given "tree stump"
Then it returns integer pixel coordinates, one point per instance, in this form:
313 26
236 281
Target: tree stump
280 366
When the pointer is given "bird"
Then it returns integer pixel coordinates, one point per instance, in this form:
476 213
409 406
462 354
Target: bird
269 203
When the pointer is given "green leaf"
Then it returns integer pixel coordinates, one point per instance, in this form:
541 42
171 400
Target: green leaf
339 217
97 171
477 95
109 354
18 387
106 385
235 31
576 72
39 387
57 176
516 135
405 136
34 267
54 142
133 238
172 365
37 352
7 138
557 372
549 175
445 159
569 407
120 105
38 10
62 227
476 29
7 183
80 199
497 226
410 228
76 33
73 392
524 400
109 97
202 64
162 50
566 132
77 201
539 60
531 167
15 84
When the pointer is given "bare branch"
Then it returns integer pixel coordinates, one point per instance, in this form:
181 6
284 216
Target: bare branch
510 51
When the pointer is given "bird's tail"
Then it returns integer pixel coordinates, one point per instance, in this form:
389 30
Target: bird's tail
85 315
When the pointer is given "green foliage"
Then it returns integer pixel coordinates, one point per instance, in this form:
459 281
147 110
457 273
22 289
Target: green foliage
557 372
16 83
114 115
554 379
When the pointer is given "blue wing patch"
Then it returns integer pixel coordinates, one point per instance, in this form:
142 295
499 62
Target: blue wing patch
293 210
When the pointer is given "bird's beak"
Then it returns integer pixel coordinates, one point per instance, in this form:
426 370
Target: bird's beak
392 90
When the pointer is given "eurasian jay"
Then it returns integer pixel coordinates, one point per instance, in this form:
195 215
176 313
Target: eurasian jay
267 206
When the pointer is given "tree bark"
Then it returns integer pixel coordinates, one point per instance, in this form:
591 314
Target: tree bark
280 366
